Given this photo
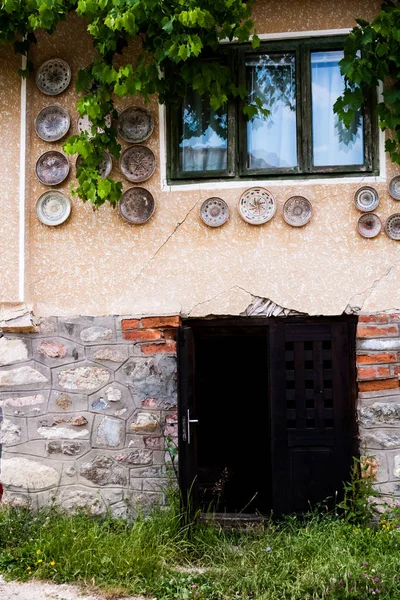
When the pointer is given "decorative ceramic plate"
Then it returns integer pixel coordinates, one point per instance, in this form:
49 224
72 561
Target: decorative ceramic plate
137 205
135 124
297 211
214 212
257 206
52 123
105 167
366 199
53 208
369 225
137 163
53 77
392 226
394 187
85 124
52 168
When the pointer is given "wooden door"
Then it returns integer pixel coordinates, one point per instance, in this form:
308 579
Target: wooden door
187 419
312 412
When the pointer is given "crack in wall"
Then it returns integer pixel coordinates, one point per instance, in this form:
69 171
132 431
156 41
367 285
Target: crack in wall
365 294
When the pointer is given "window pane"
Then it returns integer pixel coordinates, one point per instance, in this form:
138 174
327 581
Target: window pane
271 141
203 145
333 144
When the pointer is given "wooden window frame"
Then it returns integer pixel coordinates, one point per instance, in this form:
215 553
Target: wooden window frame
237 169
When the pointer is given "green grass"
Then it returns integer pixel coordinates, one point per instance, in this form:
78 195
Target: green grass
291 559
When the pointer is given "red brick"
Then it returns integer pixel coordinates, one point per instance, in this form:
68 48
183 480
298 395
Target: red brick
372 359
170 334
396 370
161 321
143 335
395 317
367 319
156 348
378 384
130 324
373 372
371 331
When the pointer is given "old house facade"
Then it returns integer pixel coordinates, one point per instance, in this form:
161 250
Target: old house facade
282 341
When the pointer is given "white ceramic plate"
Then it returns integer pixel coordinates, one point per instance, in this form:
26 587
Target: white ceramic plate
53 77
297 211
135 124
369 225
366 199
257 206
53 208
394 187
137 163
52 123
214 212
392 226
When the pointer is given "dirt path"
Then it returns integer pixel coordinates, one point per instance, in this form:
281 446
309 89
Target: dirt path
36 590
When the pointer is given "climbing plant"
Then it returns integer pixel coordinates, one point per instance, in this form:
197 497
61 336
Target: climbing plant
372 56
174 36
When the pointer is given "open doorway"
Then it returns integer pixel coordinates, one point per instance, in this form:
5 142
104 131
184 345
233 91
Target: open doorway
267 413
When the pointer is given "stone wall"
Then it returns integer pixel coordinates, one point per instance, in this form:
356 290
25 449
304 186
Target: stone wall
378 368
86 404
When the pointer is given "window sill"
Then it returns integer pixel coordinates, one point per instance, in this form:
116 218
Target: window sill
184 186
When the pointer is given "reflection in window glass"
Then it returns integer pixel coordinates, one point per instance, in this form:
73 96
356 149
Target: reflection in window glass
271 141
333 144
203 145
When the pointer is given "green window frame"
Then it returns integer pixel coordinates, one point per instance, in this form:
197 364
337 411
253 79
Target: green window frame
236 168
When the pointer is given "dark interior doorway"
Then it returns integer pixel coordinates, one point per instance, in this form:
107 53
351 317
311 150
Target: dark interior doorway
233 414
267 413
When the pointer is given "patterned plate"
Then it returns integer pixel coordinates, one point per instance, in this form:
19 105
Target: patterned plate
366 199
53 208
105 167
369 225
137 205
52 168
392 226
394 187
53 77
297 211
257 206
85 124
52 123
135 124
214 212
137 163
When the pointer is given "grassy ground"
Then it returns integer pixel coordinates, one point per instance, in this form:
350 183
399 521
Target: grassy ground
320 557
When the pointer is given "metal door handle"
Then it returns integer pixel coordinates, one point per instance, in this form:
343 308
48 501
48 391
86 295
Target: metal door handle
189 420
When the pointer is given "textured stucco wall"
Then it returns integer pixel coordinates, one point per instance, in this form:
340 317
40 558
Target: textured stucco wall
10 85
98 264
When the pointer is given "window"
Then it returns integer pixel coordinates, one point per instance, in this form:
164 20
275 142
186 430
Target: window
298 82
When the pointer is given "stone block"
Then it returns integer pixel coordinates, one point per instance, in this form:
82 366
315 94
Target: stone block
73 499
135 441
135 457
377 466
13 431
147 472
380 413
151 377
60 427
389 489
113 400
17 317
12 350
67 402
380 438
145 422
108 432
87 330
34 448
17 500
67 449
85 377
19 404
154 485
110 356
20 472
29 376
104 470
379 345
47 326
55 352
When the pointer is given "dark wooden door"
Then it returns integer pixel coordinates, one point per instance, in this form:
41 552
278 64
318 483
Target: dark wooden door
312 412
187 419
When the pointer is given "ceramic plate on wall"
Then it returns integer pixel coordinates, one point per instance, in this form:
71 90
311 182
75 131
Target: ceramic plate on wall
214 212
137 163
85 124
394 187
52 168
366 199
392 226
297 211
53 77
135 124
53 208
257 206
52 123
369 225
105 167
137 205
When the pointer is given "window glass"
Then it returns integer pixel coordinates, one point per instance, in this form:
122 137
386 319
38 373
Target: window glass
271 140
203 144
333 144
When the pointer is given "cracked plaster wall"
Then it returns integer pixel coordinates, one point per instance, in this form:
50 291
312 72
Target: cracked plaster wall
98 264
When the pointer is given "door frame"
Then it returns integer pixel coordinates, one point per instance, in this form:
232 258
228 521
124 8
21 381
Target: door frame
188 489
